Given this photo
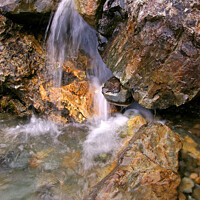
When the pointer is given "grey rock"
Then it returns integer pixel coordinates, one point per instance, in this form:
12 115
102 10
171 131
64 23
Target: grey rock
116 94
186 185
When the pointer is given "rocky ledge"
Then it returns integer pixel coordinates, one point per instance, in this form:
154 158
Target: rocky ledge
155 52
146 168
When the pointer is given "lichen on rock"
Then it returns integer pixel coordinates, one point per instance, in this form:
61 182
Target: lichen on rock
145 169
156 52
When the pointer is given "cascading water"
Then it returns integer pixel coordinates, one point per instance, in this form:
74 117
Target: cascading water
68 34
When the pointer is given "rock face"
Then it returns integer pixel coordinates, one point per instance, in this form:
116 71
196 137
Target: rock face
25 85
156 52
37 12
88 9
153 47
30 12
146 169
21 64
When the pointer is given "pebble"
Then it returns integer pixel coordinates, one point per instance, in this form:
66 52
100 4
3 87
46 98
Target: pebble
186 185
197 180
196 193
193 176
181 196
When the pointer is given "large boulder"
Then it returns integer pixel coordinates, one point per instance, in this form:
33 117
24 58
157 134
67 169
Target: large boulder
37 12
29 12
145 169
21 65
90 10
26 84
156 52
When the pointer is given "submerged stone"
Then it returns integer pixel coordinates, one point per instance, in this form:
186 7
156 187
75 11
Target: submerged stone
191 147
146 169
39 157
196 193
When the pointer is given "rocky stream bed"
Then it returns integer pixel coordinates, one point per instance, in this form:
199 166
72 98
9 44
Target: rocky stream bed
51 145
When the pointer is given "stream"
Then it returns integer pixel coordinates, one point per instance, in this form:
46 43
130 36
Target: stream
41 160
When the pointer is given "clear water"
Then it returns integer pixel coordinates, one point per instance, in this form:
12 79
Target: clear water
41 160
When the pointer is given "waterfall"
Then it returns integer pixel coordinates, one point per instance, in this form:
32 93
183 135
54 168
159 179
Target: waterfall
68 34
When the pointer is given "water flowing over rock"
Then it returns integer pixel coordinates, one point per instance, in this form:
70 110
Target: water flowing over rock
156 52
145 169
70 34
25 85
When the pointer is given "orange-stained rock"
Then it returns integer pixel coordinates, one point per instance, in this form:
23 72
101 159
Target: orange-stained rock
145 170
39 157
135 123
69 67
71 160
57 118
191 147
197 180
88 9
155 52
74 97
181 196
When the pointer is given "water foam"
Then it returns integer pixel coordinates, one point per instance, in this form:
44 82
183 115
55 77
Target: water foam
34 128
102 139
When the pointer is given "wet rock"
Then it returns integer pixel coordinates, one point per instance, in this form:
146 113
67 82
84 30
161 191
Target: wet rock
135 123
186 185
133 126
88 10
195 130
156 52
39 157
75 97
21 64
181 196
114 13
26 85
16 107
191 147
116 94
35 12
193 176
196 193
146 169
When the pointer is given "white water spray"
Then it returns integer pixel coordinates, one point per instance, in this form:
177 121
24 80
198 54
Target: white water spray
34 128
